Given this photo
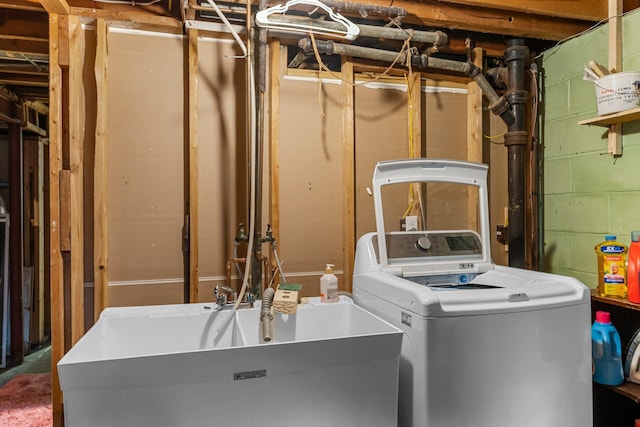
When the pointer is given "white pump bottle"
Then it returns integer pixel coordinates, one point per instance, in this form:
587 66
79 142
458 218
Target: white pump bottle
329 285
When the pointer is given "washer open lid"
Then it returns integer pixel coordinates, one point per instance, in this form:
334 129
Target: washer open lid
442 242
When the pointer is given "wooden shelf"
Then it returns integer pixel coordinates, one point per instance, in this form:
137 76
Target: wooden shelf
628 390
613 119
620 302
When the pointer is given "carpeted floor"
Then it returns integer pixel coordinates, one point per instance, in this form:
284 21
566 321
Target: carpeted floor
25 401
25 392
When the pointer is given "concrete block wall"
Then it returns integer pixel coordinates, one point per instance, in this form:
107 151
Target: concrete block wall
587 193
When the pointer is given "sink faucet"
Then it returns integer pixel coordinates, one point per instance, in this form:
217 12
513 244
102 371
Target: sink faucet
221 291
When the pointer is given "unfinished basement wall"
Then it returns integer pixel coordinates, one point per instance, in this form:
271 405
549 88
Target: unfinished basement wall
145 167
146 163
587 193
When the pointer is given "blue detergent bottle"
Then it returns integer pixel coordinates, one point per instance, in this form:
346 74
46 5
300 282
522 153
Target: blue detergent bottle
606 351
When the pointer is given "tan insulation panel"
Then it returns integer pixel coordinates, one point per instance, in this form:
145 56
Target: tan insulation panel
222 149
498 182
310 180
382 134
145 159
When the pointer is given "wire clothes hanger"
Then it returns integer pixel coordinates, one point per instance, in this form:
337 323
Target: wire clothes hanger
350 31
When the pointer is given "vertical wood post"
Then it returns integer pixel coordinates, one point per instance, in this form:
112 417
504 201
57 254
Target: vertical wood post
55 255
15 243
100 191
194 158
615 65
274 136
348 172
76 156
474 136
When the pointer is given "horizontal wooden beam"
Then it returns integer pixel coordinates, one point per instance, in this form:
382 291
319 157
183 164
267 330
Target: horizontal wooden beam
135 15
60 7
14 47
490 21
24 25
23 80
32 5
589 10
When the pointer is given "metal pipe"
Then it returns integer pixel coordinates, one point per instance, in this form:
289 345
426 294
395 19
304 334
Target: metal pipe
363 9
438 38
516 139
498 105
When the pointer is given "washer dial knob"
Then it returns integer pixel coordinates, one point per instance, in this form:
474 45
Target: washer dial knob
424 243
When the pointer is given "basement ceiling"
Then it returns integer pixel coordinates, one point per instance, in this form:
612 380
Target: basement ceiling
24 65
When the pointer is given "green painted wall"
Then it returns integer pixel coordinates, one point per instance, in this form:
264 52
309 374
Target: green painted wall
587 193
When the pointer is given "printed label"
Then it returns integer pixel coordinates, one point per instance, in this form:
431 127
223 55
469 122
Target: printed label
249 375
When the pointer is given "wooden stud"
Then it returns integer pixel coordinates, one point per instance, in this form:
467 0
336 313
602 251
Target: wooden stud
100 190
615 65
64 182
275 59
348 172
55 255
474 136
60 7
40 240
76 157
15 243
415 113
193 169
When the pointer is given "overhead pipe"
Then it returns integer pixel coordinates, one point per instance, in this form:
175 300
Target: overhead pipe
437 38
516 138
398 13
498 105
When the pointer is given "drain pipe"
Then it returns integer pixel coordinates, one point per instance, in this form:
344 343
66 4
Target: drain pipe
498 105
266 316
516 140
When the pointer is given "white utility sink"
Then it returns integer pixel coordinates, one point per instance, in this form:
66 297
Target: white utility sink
179 365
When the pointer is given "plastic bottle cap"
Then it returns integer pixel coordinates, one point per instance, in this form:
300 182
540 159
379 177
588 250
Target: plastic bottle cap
610 237
635 236
603 317
329 268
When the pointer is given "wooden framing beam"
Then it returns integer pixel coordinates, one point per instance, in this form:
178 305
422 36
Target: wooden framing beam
56 264
414 91
275 58
76 167
614 146
474 136
589 10
15 243
100 191
60 7
348 172
31 5
193 167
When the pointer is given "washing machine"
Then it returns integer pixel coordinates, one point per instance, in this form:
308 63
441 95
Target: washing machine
484 345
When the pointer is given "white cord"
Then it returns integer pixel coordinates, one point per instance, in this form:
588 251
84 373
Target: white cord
252 127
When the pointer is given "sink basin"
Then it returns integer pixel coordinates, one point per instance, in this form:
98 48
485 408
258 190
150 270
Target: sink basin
191 365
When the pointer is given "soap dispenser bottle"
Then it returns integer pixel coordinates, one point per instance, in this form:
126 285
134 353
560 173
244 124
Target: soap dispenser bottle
329 285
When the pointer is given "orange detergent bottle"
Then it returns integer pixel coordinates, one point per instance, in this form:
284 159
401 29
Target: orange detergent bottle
611 268
633 269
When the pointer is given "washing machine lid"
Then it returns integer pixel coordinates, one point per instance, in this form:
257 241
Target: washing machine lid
452 223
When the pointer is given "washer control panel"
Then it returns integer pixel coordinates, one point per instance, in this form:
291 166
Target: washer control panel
432 244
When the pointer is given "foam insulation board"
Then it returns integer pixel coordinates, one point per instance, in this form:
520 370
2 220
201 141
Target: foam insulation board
145 156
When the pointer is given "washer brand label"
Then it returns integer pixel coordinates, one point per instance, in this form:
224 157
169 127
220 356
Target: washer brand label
249 375
466 265
405 318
